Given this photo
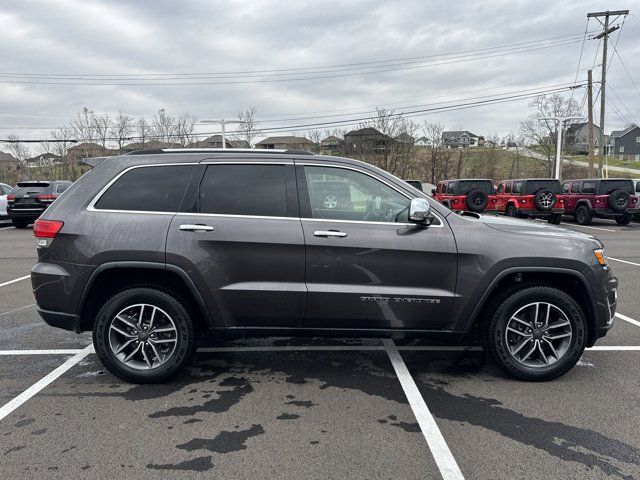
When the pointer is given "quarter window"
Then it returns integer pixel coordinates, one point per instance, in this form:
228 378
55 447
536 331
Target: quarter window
342 194
256 190
149 189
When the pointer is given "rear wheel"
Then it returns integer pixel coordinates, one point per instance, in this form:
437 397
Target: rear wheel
536 333
511 211
583 215
555 218
624 219
143 335
19 223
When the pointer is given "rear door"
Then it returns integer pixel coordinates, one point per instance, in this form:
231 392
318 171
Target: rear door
241 242
367 267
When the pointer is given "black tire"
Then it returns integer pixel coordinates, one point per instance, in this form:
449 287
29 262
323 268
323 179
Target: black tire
624 219
185 344
583 215
545 200
555 218
505 305
511 211
619 200
19 223
477 200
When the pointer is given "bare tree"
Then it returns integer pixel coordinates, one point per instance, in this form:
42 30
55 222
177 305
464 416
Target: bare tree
101 125
433 133
143 130
163 126
82 127
540 133
315 136
185 125
18 149
122 129
249 127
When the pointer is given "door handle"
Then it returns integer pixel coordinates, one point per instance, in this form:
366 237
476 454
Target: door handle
196 228
329 233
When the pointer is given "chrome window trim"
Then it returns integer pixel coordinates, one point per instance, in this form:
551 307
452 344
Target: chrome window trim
91 207
230 215
440 223
213 161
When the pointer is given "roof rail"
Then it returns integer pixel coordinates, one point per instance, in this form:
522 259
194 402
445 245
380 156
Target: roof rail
254 151
93 161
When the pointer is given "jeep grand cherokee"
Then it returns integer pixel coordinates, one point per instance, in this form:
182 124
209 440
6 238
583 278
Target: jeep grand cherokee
149 250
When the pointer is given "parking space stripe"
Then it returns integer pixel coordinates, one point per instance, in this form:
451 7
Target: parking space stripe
41 352
14 280
6 228
17 309
42 383
439 449
619 348
628 319
624 261
595 228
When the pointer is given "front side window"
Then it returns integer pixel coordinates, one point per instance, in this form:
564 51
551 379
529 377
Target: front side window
500 188
451 188
342 194
148 189
250 189
566 187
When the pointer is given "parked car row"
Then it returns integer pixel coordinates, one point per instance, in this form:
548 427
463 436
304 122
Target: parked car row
547 198
28 200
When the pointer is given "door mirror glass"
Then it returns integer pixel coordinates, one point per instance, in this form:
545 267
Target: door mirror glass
420 211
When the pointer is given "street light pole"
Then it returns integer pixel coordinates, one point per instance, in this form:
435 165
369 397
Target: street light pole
560 121
222 123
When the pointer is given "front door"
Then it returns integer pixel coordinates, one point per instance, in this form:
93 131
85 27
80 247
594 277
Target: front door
242 244
367 266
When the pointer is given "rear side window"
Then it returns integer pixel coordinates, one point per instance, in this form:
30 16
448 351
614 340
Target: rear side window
575 187
256 190
589 187
148 189
517 187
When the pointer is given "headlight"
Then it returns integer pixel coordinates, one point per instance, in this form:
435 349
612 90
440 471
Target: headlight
601 256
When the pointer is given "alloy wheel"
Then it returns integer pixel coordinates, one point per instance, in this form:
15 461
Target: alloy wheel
143 336
538 334
330 201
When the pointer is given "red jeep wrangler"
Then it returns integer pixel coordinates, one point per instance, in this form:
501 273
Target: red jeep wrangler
603 198
535 197
473 195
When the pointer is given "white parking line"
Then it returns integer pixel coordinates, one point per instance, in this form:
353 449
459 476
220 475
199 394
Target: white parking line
17 309
595 228
618 348
439 449
71 351
6 228
7 408
624 261
628 319
14 280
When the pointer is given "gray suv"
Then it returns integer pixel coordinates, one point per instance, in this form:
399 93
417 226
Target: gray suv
151 249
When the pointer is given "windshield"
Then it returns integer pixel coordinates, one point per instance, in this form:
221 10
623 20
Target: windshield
532 186
465 186
605 187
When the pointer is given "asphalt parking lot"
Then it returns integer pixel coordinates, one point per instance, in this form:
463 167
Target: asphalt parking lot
316 408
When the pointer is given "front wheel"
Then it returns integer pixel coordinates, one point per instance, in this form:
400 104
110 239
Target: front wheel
536 333
143 335
624 219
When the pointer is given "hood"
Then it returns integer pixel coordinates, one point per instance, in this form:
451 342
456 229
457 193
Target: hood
529 227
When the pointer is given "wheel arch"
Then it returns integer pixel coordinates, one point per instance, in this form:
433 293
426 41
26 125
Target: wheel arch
570 281
112 277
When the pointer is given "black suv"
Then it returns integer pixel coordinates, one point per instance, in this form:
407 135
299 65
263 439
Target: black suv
29 199
148 250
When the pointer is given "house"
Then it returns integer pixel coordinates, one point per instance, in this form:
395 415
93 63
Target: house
215 141
405 139
285 143
461 139
577 138
423 142
626 143
150 145
43 160
331 144
8 163
76 153
367 140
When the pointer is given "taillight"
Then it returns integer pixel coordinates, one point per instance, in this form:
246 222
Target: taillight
47 228
46 198
455 200
11 198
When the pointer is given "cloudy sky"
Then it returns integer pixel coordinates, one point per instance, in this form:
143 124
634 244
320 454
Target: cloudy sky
302 62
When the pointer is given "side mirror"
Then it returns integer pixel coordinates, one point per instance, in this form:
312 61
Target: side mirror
420 212
433 191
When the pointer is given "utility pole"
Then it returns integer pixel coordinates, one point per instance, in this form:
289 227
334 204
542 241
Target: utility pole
590 110
222 123
560 121
605 36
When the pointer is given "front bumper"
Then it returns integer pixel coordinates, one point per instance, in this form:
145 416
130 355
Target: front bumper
66 321
606 304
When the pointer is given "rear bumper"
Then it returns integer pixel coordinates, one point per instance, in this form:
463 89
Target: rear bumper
532 212
606 212
25 213
66 321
